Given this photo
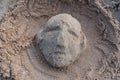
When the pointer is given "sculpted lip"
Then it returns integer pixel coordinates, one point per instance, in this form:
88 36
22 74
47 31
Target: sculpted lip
59 52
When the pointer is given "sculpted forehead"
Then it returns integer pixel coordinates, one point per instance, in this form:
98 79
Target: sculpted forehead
63 21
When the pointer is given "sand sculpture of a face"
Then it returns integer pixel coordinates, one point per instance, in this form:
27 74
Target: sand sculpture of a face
61 40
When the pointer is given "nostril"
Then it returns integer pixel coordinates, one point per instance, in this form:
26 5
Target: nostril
60 46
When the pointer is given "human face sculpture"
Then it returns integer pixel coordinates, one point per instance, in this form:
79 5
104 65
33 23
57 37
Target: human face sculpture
61 40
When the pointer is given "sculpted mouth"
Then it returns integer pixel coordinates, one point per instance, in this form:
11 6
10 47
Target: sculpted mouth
59 52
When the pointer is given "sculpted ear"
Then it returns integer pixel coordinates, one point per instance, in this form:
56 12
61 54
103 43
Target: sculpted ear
38 38
83 43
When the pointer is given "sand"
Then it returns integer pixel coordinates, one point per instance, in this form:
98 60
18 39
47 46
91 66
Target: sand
23 19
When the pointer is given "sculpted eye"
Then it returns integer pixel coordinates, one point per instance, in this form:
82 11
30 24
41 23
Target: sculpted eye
73 33
54 28
52 32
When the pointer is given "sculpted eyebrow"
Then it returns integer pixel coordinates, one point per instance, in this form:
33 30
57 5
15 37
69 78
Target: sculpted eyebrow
72 32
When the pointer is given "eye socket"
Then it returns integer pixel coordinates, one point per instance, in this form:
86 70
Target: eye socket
52 31
54 28
72 33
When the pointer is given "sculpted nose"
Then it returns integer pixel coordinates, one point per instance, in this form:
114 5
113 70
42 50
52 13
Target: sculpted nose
60 40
